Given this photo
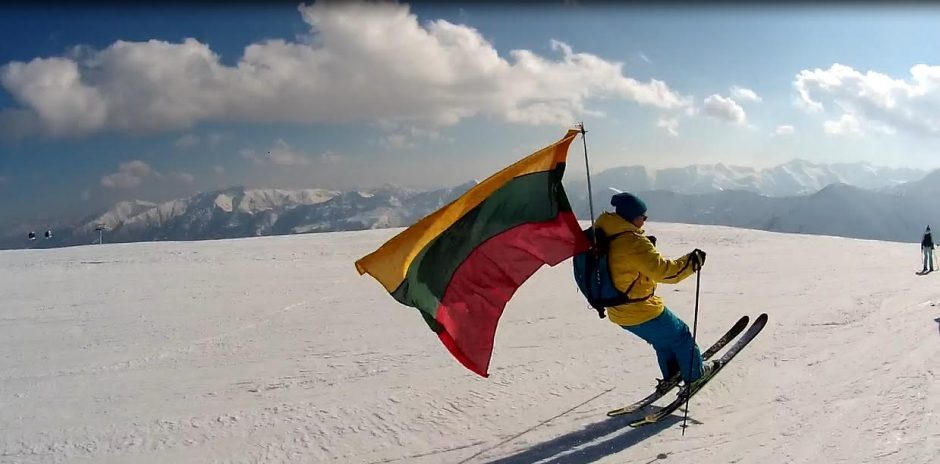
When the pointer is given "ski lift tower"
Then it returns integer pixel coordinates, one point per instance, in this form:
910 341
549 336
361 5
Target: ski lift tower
101 228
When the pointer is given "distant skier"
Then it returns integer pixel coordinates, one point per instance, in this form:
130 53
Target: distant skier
926 246
636 267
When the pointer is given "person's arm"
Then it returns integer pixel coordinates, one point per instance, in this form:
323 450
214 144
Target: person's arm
653 265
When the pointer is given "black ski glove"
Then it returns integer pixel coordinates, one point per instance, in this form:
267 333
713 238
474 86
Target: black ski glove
698 259
652 239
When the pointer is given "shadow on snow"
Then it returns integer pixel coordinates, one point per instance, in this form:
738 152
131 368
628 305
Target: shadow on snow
559 450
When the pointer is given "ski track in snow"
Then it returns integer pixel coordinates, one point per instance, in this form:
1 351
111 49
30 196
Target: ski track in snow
274 350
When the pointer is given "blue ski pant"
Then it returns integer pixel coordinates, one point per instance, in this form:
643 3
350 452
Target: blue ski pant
673 343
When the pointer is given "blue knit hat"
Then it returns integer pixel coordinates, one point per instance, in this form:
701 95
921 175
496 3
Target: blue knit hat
628 206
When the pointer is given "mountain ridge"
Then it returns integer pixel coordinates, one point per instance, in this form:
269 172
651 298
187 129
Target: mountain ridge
718 194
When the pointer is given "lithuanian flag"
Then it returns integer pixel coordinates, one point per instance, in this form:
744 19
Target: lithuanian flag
461 264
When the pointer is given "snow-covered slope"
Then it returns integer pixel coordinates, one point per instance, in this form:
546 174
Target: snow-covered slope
273 349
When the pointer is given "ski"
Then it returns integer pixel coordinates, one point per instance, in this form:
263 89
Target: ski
674 381
748 336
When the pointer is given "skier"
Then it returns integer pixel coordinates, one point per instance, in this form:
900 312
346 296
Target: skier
926 246
636 267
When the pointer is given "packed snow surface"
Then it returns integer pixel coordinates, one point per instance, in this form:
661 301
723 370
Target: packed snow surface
274 349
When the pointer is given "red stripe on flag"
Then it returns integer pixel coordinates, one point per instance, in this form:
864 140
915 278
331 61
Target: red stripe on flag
480 287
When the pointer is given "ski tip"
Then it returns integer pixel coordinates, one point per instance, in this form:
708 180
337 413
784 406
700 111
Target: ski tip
641 422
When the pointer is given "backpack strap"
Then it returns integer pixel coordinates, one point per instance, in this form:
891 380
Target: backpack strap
624 299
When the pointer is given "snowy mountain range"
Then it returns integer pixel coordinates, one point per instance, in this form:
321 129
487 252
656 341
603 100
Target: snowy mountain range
239 212
852 200
838 209
896 212
797 177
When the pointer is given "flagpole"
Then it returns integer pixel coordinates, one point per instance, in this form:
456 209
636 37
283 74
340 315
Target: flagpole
587 167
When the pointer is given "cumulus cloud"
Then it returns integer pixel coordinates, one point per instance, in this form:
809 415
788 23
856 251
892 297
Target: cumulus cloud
133 174
184 177
872 100
670 124
329 157
361 62
282 154
783 130
846 125
211 141
397 137
186 142
724 108
129 175
744 94
215 139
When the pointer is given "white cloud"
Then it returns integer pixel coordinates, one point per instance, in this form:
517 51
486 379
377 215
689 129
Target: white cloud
329 157
724 108
186 142
190 141
216 138
133 174
671 124
55 96
281 154
846 125
744 94
399 138
783 130
362 62
644 57
184 177
128 176
873 100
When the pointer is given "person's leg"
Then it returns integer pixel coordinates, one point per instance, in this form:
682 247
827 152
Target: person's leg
673 343
925 251
685 349
651 332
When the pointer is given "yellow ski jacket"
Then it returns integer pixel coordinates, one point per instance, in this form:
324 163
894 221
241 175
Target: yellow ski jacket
636 267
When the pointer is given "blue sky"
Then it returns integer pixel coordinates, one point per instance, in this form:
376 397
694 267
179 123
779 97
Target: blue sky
103 104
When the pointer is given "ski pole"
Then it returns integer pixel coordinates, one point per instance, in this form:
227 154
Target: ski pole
587 167
698 281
